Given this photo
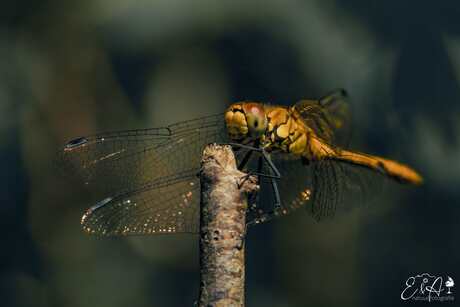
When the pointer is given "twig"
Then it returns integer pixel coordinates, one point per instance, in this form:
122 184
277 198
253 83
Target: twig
224 192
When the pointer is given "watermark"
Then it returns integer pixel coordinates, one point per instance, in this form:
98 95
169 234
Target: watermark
426 287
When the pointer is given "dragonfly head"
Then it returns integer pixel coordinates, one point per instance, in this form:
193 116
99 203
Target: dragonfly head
246 120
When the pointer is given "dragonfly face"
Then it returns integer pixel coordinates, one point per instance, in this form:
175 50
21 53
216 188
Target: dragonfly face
246 121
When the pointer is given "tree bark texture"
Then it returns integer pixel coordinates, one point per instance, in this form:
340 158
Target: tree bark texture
224 191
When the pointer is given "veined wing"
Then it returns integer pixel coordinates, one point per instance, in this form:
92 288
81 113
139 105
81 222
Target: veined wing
295 187
165 206
339 187
324 188
296 183
143 173
117 162
329 117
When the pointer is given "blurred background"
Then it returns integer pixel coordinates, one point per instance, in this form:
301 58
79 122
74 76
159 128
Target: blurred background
70 68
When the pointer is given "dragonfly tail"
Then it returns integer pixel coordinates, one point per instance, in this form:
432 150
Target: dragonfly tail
396 170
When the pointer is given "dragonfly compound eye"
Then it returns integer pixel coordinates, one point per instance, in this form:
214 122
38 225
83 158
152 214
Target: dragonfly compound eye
256 119
237 126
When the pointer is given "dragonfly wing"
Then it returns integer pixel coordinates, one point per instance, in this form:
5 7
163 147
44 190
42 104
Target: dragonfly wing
148 171
324 188
118 162
296 184
329 117
167 205
295 187
339 187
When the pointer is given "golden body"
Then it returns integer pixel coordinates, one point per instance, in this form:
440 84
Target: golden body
285 128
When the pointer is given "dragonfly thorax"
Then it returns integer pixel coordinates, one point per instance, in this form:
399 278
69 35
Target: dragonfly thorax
246 120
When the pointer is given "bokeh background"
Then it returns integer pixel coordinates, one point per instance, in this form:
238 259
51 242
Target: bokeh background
70 68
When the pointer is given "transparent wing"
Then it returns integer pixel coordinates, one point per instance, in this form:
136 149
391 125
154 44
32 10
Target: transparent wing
324 188
329 117
168 205
295 187
339 187
117 162
296 184
133 165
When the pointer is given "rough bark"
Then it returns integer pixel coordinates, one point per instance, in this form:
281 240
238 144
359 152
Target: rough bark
224 192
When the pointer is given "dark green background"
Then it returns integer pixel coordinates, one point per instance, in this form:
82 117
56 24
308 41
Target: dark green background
70 68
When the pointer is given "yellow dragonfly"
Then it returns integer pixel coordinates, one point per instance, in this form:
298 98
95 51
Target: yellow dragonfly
147 179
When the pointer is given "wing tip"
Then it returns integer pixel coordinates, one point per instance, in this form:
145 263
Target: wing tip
91 210
80 141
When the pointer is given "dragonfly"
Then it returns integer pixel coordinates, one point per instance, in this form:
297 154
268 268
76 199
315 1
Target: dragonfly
147 178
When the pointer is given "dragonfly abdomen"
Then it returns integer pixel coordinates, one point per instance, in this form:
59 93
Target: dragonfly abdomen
400 172
390 168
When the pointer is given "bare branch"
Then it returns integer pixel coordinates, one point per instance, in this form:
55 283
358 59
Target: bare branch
224 192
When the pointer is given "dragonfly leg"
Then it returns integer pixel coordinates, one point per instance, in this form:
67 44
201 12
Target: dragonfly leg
245 146
268 216
275 170
254 197
245 159
277 204
275 174
254 200
236 147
